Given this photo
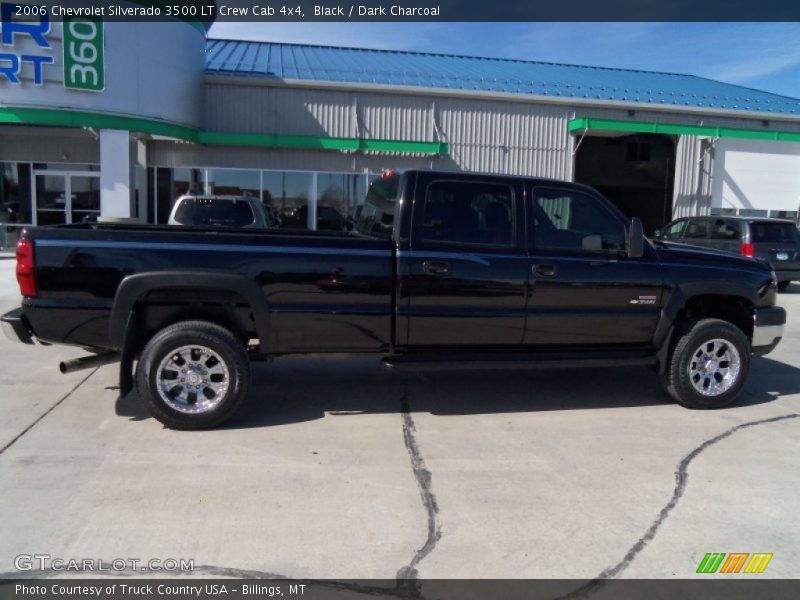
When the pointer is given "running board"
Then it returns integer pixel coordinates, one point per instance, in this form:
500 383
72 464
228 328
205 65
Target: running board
439 362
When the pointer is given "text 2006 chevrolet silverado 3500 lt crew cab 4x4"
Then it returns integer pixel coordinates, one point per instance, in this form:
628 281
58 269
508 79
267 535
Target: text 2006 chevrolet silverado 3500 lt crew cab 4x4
442 268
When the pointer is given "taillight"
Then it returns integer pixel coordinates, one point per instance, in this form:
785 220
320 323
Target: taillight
748 250
25 269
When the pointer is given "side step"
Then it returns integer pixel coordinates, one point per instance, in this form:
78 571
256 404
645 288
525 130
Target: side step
439 362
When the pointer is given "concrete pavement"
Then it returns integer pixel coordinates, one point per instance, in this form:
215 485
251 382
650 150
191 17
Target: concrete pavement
342 470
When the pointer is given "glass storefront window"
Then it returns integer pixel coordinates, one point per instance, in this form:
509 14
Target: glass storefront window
234 182
65 167
286 193
183 180
51 199
15 193
85 193
338 197
170 184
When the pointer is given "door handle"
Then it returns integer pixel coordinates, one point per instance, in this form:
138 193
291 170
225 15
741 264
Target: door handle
436 267
545 270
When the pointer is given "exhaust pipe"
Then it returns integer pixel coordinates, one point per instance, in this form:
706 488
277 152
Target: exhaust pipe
87 362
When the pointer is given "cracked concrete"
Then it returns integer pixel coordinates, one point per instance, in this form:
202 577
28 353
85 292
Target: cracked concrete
342 470
423 477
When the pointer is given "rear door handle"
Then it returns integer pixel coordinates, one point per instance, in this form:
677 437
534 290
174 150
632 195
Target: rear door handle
545 270
436 267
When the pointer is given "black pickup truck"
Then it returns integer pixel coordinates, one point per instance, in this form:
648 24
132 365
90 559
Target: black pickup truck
441 269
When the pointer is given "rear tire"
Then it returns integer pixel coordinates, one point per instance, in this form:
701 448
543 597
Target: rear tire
193 375
708 365
782 285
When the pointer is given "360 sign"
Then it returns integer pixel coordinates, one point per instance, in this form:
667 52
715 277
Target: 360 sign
82 41
84 67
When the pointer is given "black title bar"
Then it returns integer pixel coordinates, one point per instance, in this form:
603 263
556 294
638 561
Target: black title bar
209 11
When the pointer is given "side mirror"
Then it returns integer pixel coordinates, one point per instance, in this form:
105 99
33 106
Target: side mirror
657 234
635 242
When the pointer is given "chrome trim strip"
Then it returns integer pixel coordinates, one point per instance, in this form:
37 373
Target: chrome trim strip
221 247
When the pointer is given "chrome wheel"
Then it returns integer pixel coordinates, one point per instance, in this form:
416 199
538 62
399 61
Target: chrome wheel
714 367
193 379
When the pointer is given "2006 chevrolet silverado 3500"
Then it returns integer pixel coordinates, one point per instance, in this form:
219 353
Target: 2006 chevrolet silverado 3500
453 269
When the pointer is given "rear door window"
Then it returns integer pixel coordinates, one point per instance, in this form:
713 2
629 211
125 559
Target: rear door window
469 212
774 232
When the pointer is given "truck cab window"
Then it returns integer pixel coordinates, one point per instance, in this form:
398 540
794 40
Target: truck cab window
469 212
571 220
376 216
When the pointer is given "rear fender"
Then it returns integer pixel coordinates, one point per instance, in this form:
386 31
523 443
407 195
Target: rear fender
134 287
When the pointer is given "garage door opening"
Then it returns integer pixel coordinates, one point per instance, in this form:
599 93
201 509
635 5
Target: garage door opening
636 172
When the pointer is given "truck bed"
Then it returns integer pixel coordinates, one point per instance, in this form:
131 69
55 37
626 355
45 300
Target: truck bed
318 288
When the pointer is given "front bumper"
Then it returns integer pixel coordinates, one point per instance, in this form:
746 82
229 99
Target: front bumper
768 329
16 327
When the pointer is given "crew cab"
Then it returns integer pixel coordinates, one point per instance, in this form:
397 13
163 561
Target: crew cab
442 269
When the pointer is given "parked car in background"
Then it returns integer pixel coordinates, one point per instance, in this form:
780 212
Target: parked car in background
775 240
220 211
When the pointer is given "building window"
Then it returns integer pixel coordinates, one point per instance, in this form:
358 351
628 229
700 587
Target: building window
287 193
15 193
170 184
66 167
233 182
288 196
338 197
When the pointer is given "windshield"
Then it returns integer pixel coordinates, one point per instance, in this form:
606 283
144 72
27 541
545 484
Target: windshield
377 215
214 212
774 232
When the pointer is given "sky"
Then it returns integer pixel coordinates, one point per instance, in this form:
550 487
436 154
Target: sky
765 56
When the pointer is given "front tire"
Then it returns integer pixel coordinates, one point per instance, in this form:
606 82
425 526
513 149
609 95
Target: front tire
708 365
193 375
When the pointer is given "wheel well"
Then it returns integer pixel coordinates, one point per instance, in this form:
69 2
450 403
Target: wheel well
163 307
734 310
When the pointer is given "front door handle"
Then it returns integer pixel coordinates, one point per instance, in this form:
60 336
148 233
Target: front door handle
545 270
436 267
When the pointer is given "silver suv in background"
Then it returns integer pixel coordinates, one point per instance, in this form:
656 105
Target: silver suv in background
775 240
220 211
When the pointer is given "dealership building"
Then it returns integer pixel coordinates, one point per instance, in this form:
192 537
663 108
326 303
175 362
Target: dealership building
118 119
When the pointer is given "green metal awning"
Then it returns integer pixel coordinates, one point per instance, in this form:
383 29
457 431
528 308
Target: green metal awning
73 118
588 125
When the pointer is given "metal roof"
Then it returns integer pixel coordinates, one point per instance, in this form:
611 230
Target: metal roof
419 69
